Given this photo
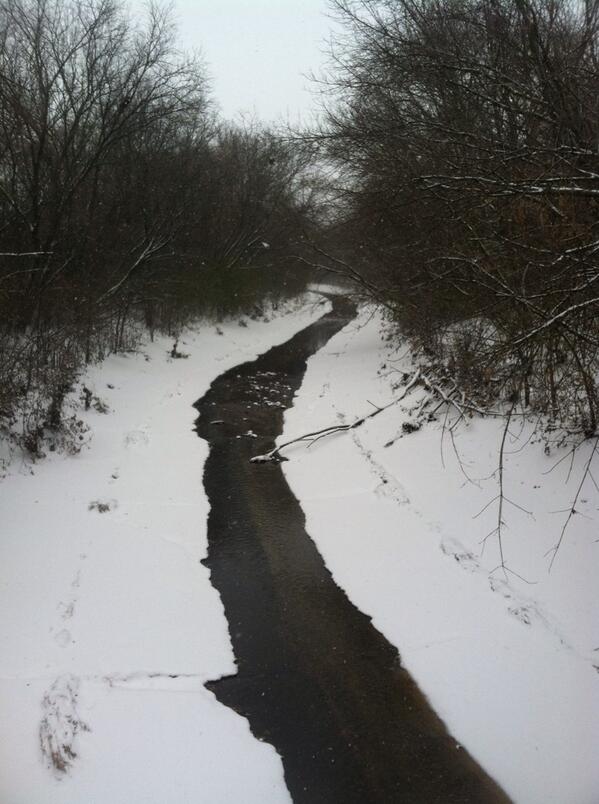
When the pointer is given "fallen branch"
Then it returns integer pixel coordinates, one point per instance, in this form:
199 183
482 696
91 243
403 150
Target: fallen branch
24 253
274 456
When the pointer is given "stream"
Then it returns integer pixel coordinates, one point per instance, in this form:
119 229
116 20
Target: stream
315 678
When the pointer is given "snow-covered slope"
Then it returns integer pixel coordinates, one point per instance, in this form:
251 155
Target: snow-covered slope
108 623
510 665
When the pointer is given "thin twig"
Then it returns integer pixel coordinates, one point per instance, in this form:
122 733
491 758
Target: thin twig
573 510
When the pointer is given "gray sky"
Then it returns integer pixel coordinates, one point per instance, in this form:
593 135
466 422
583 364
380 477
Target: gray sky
256 52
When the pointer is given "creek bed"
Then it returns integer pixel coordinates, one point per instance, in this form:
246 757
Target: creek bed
315 678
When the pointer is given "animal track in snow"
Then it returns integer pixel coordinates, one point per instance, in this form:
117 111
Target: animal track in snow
68 609
522 608
389 485
325 387
63 638
521 613
102 506
136 438
500 586
464 558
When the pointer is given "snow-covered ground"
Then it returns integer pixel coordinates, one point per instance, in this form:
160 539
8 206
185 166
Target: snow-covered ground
108 623
510 665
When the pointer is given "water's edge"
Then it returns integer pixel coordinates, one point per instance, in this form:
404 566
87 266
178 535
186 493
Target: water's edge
315 678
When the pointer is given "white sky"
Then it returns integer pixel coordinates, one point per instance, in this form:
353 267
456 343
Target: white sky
258 52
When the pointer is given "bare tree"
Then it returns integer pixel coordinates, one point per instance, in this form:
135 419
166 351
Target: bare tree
465 135
124 202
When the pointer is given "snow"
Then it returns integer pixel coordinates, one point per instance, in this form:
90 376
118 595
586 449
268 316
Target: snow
509 664
109 626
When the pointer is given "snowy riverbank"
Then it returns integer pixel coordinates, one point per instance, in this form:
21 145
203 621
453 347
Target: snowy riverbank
109 624
509 665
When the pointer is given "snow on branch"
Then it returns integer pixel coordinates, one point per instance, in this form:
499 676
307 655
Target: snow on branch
24 253
274 456
452 398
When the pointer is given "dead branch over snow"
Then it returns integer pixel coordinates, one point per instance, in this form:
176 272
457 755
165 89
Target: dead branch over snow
275 456
447 393
452 398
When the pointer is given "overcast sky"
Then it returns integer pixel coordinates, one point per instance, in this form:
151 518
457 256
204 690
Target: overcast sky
257 51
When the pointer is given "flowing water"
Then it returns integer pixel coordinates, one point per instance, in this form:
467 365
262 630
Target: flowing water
315 678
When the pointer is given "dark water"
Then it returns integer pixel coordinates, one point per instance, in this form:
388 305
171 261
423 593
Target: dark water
315 678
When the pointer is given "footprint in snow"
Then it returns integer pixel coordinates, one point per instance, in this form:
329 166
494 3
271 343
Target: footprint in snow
68 609
464 558
500 586
102 506
63 638
522 613
136 438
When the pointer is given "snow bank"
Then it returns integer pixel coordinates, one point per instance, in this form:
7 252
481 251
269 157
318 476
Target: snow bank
510 665
108 623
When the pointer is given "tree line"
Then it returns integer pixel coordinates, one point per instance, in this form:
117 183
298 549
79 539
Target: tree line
456 182
125 202
463 136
